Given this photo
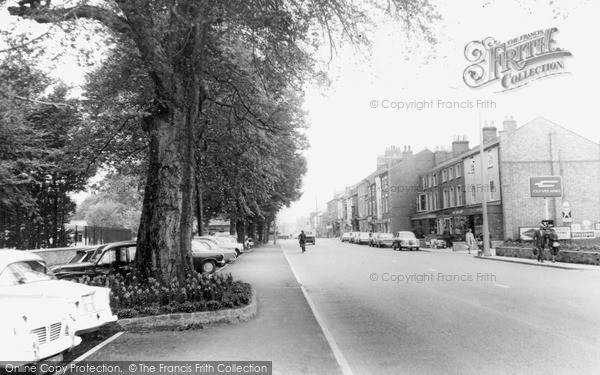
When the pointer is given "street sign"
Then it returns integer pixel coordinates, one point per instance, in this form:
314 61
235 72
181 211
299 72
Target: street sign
549 186
566 213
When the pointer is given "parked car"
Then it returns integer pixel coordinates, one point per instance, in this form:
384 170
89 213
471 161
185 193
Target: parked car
310 238
82 255
372 238
34 329
229 255
111 258
206 261
118 257
224 243
353 237
405 240
239 247
363 238
345 237
24 275
383 239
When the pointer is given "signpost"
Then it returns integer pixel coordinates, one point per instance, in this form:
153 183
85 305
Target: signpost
546 187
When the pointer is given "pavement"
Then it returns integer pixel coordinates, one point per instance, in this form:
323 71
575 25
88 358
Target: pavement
285 330
532 262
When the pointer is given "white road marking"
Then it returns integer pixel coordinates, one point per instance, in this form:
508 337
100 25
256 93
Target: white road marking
502 286
96 348
339 356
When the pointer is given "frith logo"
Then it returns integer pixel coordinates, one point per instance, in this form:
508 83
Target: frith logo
546 183
515 63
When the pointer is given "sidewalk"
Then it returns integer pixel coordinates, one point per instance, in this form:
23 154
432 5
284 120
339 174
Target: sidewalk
284 331
532 262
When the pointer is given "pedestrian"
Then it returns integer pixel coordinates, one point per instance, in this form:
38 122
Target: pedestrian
553 239
302 240
470 238
447 237
540 239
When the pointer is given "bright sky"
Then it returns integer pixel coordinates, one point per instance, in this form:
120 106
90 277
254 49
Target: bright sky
346 134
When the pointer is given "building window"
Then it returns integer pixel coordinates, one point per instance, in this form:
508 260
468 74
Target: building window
435 179
422 202
490 157
424 182
435 201
458 171
472 165
444 175
492 188
445 200
451 173
385 194
458 192
452 201
429 180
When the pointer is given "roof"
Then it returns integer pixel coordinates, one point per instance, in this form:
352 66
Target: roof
12 256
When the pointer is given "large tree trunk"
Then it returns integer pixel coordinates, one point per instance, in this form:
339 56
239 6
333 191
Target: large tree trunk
165 233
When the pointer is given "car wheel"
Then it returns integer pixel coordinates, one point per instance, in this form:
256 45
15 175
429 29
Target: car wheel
208 267
416 248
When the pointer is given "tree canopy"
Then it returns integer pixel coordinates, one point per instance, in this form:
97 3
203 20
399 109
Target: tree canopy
211 91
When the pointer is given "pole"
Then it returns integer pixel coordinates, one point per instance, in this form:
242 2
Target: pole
275 231
486 233
547 206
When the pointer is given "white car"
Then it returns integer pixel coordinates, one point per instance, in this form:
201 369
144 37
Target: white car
225 243
23 275
405 240
34 330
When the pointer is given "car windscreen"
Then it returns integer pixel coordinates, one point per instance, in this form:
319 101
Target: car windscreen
386 235
199 246
23 273
406 234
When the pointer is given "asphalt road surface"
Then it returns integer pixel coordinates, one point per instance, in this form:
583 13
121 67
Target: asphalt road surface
393 312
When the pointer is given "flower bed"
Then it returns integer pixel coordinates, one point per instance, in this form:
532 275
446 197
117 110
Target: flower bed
565 256
131 298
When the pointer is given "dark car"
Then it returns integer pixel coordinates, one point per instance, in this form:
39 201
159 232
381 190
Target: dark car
118 257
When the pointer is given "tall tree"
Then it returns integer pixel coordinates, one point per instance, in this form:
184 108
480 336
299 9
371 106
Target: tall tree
184 47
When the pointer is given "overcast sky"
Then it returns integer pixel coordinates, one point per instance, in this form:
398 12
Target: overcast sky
347 134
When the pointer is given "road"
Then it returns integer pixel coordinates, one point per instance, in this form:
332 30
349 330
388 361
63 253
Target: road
422 312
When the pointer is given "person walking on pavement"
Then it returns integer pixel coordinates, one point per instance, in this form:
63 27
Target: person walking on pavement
447 237
302 240
540 238
470 239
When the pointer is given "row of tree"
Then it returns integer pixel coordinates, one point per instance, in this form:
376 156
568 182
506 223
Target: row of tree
202 98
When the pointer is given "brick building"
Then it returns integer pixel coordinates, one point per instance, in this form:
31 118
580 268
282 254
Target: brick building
543 148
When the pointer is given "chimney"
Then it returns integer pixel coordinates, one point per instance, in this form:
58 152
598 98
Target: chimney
489 132
509 125
459 145
441 154
407 152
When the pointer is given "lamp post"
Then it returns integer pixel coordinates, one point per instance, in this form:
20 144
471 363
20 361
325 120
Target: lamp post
486 233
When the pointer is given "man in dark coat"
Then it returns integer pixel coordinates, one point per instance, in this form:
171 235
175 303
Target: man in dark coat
447 237
302 240
540 239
